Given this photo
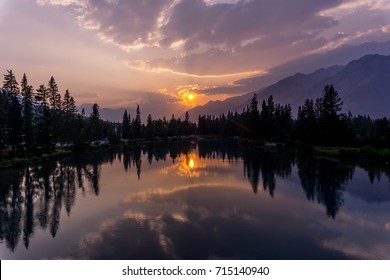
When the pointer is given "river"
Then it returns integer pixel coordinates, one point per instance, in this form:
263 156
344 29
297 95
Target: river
211 200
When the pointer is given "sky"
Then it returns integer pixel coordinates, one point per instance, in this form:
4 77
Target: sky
176 53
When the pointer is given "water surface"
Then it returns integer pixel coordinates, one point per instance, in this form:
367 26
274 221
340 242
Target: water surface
184 201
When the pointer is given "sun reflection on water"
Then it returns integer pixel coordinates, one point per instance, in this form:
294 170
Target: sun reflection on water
188 166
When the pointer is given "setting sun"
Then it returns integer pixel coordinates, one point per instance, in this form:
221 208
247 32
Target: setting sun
191 163
191 96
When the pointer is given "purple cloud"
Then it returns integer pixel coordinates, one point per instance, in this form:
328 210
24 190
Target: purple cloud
214 38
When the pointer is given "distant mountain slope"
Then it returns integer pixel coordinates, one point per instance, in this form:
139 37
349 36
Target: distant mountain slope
217 107
114 115
363 84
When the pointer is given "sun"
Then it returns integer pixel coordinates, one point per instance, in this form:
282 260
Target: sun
191 97
191 164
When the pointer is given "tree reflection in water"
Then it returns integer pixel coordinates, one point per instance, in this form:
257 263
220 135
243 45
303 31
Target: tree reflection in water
323 181
35 196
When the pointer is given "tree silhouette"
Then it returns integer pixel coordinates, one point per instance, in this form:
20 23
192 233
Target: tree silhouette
10 84
137 124
28 114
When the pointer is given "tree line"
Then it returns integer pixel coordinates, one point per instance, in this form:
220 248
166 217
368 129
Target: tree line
319 122
160 128
37 121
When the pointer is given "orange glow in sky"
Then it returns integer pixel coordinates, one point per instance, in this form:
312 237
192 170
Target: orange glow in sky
155 52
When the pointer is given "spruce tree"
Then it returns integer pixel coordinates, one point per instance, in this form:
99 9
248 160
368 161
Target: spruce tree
94 122
331 104
137 123
44 122
42 96
149 127
54 95
10 84
55 107
15 123
3 119
125 126
69 112
253 117
28 114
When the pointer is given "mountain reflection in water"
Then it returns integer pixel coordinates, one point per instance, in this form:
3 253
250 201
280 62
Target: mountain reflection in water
187 201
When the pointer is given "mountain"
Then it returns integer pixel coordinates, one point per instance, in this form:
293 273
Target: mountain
363 85
307 64
114 115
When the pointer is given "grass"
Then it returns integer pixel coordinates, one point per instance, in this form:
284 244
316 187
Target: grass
34 159
363 153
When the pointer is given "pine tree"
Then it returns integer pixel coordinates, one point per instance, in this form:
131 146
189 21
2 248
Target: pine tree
253 117
173 127
149 127
125 126
68 105
95 126
307 122
10 84
186 126
69 111
55 107
331 104
54 95
3 119
15 123
28 114
137 123
42 96
332 128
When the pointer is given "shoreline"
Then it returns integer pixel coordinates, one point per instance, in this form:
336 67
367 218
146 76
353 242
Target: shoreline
355 154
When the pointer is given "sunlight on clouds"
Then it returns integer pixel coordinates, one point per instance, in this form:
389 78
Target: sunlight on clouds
334 44
144 197
188 93
177 44
143 65
385 28
351 249
61 2
179 217
139 216
351 6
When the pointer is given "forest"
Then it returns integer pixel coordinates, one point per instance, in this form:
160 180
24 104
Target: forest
39 121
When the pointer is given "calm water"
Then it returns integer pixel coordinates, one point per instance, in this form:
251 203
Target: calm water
185 201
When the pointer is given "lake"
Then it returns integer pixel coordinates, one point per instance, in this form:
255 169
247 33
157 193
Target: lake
210 200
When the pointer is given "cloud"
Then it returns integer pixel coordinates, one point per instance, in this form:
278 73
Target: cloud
196 25
212 39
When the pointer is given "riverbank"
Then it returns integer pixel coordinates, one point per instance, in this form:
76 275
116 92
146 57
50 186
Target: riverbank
15 162
366 153
58 154
350 153
84 149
